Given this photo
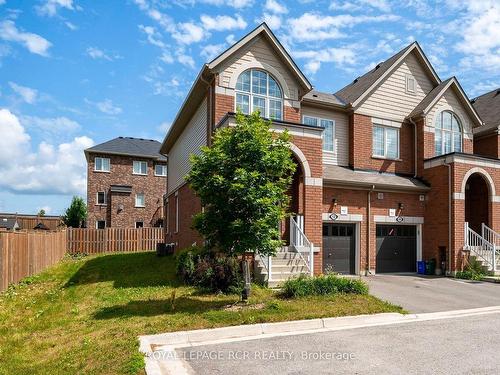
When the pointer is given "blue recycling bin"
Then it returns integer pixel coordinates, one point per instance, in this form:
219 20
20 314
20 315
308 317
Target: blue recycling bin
421 267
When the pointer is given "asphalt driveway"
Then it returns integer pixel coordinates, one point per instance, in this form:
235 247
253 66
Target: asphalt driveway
418 294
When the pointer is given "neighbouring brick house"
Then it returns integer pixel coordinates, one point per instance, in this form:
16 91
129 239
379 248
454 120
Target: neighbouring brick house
126 179
388 171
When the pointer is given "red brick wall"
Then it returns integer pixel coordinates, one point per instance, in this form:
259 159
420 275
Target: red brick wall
361 147
357 203
291 114
223 105
488 146
121 174
189 204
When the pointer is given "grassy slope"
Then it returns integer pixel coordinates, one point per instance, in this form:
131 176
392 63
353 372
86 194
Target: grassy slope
84 316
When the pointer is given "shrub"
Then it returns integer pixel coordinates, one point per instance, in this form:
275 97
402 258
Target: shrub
473 271
323 285
199 267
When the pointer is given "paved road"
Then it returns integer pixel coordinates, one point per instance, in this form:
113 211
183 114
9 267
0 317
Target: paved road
467 345
423 294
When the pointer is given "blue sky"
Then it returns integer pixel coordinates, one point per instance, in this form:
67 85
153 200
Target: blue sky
75 73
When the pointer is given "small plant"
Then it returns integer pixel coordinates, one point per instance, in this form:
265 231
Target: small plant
330 284
473 271
185 263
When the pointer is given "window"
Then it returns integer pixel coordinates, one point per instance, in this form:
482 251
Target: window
100 224
101 198
258 90
160 170
448 134
140 167
139 200
410 84
139 224
101 164
328 133
385 142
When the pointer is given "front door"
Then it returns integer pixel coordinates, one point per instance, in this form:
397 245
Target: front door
338 248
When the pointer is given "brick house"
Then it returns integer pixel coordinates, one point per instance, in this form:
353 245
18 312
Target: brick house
387 169
126 179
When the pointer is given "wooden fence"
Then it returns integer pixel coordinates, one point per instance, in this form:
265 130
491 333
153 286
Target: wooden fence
94 241
26 253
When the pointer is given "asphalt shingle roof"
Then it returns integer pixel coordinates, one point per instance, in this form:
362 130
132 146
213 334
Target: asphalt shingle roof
351 92
148 148
323 97
488 108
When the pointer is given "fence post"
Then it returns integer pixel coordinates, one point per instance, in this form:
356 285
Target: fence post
494 258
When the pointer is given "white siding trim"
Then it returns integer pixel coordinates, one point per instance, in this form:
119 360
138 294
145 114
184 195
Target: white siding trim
342 218
408 220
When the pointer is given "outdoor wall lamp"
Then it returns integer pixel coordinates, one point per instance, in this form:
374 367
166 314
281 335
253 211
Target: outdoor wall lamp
400 205
334 201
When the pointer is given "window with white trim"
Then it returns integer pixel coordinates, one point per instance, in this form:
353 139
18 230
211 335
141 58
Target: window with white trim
140 200
447 134
140 167
328 134
101 164
258 90
385 142
410 84
100 224
160 170
101 198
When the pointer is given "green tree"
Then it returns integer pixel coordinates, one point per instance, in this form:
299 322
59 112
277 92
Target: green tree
41 213
242 180
76 213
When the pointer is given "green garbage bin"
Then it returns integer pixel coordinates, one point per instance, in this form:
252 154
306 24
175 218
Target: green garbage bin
430 267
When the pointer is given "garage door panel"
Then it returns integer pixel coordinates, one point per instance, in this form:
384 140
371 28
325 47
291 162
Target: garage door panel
338 248
396 248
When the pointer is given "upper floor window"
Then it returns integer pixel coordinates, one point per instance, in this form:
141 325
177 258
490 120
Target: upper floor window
140 167
410 84
101 197
101 164
258 90
160 170
385 142
448 134
328 134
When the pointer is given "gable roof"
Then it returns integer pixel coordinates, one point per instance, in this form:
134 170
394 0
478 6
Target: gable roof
128 146
319 97
437 92
205 77
488 107
353 93
8 223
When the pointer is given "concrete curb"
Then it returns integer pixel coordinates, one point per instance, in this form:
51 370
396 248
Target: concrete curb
167 343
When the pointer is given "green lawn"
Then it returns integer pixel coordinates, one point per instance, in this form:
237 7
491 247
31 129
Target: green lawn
84 316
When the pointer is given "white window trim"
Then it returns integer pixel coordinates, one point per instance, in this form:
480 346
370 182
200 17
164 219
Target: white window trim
451 131
334 152
164 168
97 224
176 212
102 170
105 199
139 174
374 155
409 77
267 97
144 195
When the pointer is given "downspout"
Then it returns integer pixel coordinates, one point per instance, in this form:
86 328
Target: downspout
415 146
449 215
368 218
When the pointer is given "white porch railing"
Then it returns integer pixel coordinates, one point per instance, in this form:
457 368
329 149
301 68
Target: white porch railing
480 247
301 244
493 238
266 262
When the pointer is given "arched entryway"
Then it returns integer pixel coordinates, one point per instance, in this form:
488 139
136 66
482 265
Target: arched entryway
296 198
477 198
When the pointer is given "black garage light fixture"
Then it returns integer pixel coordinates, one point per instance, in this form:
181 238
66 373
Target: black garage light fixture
334 201
400 205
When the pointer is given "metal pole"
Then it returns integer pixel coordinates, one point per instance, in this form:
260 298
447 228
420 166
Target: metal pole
311 258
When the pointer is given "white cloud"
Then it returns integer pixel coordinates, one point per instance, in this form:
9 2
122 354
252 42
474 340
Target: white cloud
231 39
107 106
188 32
47 209
275 7
2 2
232 3
185 59
52 127
163 127
99 54
338 56
33 42
70 26
153 36
50 7
28 94
484 87
272 20
222 23
14 140
166 57
210 51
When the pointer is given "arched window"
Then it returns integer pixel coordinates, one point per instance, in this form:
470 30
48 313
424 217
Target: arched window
258 90
448 133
